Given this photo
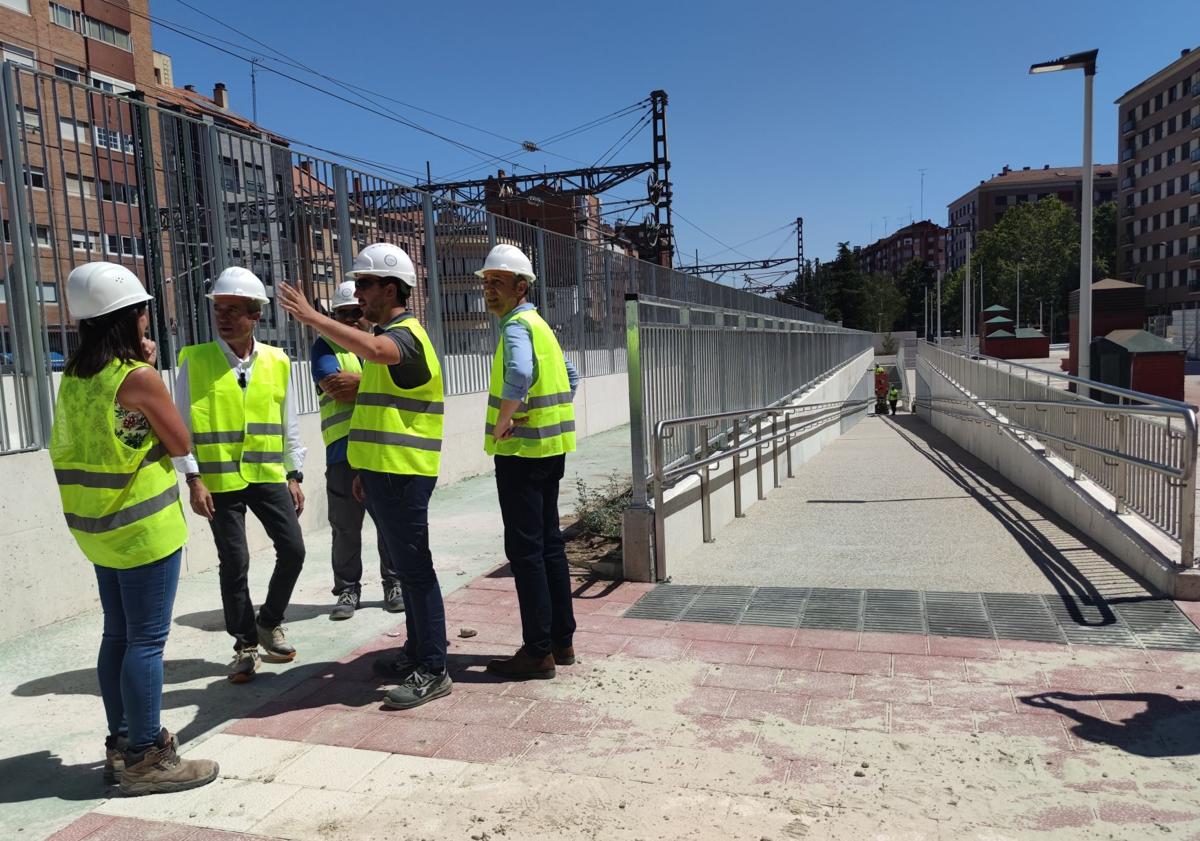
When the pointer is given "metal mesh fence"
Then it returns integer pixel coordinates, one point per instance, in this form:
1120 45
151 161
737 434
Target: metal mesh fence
91 175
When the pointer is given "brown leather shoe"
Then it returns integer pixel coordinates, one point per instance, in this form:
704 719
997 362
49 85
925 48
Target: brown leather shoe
522 666
159 769
564 656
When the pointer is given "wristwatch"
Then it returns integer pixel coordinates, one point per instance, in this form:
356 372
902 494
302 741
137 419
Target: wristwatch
295 476
191 477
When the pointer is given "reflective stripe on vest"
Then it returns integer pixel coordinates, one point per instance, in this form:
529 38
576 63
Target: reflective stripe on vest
549 427
336 414
120 503
237 433
399 430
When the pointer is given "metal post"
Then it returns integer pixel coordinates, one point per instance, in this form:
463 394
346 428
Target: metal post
609 313
151 230
737 470
581 305
787 428
637 550
433 287
1085 234
689 362
775 480
535 294
491 231
1121 492
1187 500
215 184
660 514
758 458
341 212
939 307
24 312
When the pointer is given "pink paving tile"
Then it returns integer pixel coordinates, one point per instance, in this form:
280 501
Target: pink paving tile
540 690
657 648
592 642
1087 680
708 651
639 627
340 729
1121 709
894 643
742 677
847 715
1012 673
857 662
555 751
971 696
765 706
968 647
491 710
132 829
762 635
1126 812
346 695
1020 647
1050 818
469 595
495 580
1030 701
1117 659
786 657
481 743
1179 686
83 827
920 665
561 717
905 690
594 622
930 720
811 771
281 726
705 700
815 638
699 631
627 592
611 609
476 679
410 736
491 633
1049 729
708 732
816 684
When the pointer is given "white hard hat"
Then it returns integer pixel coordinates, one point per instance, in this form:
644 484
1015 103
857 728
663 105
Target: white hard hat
99 288
239 283
344 296
384 260
508 258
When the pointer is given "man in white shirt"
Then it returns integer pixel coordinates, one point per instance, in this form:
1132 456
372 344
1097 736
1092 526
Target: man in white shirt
233 394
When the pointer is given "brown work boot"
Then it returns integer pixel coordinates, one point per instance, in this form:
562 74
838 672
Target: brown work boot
563 655
522 666
159 769
114 758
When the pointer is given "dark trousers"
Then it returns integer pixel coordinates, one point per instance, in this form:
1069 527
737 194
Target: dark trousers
533 542
137 606
399 505
892 403
272 505
345 520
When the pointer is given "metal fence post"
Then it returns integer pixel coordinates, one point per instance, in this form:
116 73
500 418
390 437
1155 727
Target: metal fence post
24 312
435 323
1187 501
491 231
1122 484
535 292
151 229
215 195
341 212
609 315
581 303
638 521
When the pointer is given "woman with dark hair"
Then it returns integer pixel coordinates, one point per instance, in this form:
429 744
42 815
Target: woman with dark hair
115 429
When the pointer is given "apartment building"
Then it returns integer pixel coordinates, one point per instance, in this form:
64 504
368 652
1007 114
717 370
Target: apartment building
924 241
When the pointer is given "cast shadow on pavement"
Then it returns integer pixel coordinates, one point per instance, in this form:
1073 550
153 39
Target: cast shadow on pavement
214 620
1164 727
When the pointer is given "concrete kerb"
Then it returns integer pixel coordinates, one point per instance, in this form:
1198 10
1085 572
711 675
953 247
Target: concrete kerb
683 526
1083 504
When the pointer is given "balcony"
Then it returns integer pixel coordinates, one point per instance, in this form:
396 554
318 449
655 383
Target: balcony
1195 88
1127 210
1196 154
1128 126
1194 253
1127 154
1127 182
1196 188
1196 121
1194 222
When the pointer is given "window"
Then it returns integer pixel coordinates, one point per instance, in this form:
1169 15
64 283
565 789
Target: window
230 177
83 240
109 84
114 140
35 177
98 30
129 246
41 233
318 241
76 131
118 192
31 120
48 293
80 187
20 5
64 17
17 55
255 179
66 70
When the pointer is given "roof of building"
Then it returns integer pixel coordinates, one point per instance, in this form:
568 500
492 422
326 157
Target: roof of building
1149 82
999 319
1140 341
996 308
1001 334
197 103
1030 333
1027 176
1113 283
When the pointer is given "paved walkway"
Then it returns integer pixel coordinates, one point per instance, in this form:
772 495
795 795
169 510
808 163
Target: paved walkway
694 731
53 720
894 504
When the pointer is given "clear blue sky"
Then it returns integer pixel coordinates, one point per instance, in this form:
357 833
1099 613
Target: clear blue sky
816 109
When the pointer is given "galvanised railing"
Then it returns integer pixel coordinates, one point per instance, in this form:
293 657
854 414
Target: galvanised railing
1139 448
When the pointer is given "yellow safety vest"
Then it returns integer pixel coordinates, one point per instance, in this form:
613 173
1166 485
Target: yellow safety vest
549 429
121 503
399 430
237 433
335 414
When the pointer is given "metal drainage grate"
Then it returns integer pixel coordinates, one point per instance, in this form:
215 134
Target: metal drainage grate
1152 623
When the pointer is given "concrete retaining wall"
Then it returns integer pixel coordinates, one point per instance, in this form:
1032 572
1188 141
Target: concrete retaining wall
1083 504
684 524
49 579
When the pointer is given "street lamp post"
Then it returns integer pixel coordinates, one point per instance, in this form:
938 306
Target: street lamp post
1086 62
1018 295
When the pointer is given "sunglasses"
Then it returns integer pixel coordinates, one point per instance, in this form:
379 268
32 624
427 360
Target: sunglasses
361 283
351 313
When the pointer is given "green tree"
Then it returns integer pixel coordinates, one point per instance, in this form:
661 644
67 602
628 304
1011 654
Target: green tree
912 282
880 304
1104 240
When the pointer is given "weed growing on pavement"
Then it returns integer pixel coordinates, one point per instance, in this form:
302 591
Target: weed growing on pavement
598 509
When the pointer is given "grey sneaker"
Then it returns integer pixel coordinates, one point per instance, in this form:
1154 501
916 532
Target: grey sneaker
276 648
347 603
420 687
396 667
244 665
393 598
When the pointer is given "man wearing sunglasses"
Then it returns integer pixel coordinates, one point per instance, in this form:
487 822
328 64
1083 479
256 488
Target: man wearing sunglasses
337 373
395 444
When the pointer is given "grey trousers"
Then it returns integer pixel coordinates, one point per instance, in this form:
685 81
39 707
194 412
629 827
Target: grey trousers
346 519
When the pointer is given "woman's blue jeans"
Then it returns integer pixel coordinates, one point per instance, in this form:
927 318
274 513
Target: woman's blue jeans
137 606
